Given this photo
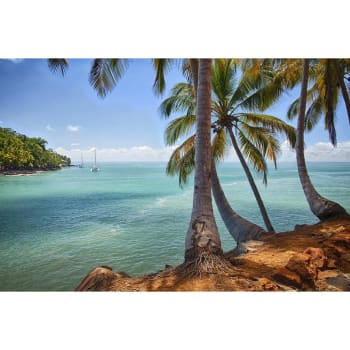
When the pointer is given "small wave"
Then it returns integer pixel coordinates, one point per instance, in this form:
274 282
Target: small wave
230 184
160 201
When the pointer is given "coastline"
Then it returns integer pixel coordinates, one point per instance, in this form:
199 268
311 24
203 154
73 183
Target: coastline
309 258
26 172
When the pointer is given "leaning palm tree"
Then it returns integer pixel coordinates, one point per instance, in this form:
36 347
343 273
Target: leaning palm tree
241 230
327 77
255 131
320 206
325 82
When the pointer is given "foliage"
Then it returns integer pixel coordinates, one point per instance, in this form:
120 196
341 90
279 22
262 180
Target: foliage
233 95
328 80
20 152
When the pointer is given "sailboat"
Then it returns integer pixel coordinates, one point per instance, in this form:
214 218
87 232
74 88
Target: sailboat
94 167
81 165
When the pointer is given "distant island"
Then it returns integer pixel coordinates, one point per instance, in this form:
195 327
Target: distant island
20 154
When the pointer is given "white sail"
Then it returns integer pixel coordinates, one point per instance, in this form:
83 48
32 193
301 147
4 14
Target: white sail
94 167
81 165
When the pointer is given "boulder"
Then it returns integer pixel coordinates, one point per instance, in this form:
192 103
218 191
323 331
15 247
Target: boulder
287 277
100 278
318 257
300 264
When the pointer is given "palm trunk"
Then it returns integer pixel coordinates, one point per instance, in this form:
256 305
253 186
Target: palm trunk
203 235
240 229
252 183
344 91
320 206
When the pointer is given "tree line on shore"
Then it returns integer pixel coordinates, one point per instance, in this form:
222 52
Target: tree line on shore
19 152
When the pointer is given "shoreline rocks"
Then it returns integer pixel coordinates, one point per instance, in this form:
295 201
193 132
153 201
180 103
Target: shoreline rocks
306 259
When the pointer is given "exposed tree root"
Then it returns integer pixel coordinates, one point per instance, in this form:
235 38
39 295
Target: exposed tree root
203 263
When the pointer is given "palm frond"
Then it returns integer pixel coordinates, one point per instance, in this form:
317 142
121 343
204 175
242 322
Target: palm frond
105 73
181 100
293 109
186 71
58 64
219 145
288 72
181 161
223 78
253 155
331 101
260 85
161 67
313 114
186 166
178 128
262 98
273 124
263 139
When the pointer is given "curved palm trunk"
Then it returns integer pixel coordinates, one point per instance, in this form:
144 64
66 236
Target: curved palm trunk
203 235
240 229
251 182
344 91
320 206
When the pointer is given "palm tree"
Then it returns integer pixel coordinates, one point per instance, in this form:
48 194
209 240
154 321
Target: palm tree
240 229
327 77
320 206
202 235
255 131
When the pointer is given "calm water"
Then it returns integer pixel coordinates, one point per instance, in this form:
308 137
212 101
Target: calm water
55 227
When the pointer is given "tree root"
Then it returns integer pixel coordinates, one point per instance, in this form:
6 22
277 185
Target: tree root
204 263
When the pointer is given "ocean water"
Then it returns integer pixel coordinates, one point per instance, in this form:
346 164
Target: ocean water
56 226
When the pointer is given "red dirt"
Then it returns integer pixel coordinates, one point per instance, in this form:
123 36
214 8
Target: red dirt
310 258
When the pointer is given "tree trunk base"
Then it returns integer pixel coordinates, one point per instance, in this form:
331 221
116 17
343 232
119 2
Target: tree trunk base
331 210
201 261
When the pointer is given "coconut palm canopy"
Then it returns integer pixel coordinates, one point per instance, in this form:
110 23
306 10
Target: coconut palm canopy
234 95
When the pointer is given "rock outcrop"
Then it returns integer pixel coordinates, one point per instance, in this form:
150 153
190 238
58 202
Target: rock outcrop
310 258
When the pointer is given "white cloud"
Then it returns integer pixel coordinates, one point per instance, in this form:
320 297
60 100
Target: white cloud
319 152
48 127
131 154
325 152
75 144
15 60
73 128
1 122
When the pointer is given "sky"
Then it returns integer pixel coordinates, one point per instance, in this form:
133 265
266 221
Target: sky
125 125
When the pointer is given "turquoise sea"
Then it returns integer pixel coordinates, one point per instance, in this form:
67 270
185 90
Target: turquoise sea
56 226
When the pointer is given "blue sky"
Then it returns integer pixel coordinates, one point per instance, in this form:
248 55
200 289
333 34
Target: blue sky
126 124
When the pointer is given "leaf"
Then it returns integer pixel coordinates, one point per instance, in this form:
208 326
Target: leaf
181 100
105 73
161 67
181 161
58 64
178 128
